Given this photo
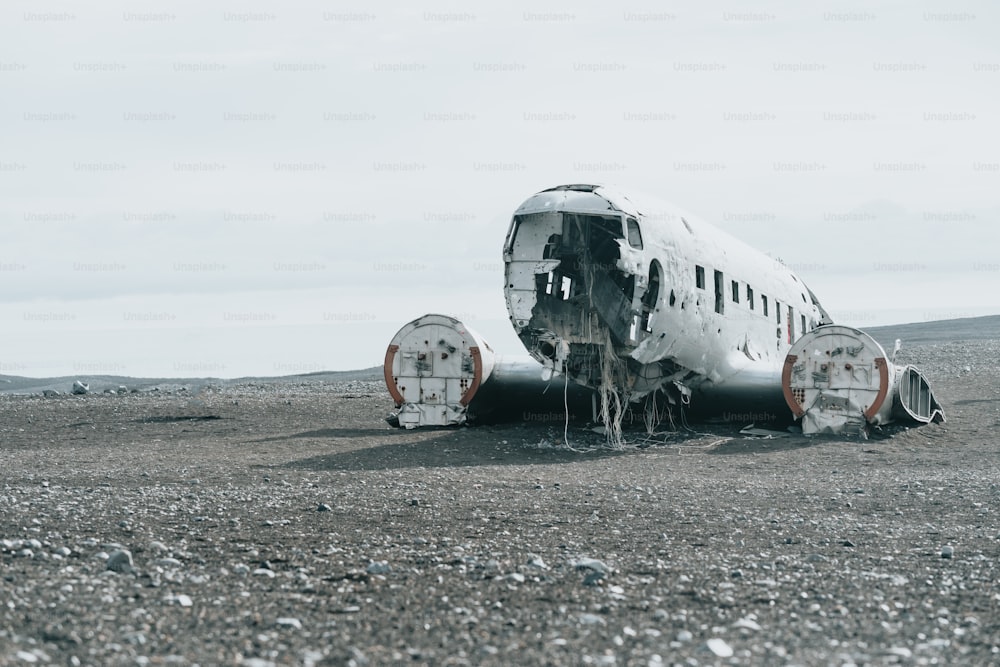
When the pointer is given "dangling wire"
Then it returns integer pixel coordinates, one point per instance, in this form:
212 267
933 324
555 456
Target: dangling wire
614 393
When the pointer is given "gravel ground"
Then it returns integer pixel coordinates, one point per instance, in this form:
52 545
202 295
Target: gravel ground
275 523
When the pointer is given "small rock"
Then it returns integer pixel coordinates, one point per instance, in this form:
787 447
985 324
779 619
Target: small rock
289 622
120 560
536 562
747 623
590 564
167 562
719 647
947 551
380 567
322 507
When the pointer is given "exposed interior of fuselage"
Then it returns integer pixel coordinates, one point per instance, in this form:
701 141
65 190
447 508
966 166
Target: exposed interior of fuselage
590 304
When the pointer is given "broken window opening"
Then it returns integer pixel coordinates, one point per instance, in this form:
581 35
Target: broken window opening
699 277
566 289
652 295
736 292
803 329
750 297
791 324
595 238
634 236
763 303
552 246
720 305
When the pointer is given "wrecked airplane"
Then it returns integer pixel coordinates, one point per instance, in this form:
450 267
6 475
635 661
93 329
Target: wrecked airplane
633 297
655 310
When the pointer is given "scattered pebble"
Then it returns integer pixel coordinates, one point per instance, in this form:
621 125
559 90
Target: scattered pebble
380 567
120 560
719 647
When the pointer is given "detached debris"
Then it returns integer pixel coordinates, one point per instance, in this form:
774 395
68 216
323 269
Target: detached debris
753 431
80 388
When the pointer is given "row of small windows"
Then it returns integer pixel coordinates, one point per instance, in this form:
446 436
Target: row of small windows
720 306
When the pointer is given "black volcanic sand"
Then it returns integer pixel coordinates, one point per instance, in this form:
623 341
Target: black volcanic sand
286 523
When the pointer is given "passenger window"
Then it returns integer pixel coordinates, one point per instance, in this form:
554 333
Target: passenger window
699 277
720 306
634 236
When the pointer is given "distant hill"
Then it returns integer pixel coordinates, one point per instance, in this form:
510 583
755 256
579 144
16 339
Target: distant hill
13 384
939 331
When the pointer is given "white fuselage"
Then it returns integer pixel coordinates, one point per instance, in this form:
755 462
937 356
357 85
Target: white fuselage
682 304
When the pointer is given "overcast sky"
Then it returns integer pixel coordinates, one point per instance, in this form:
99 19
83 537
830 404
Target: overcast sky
234 188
